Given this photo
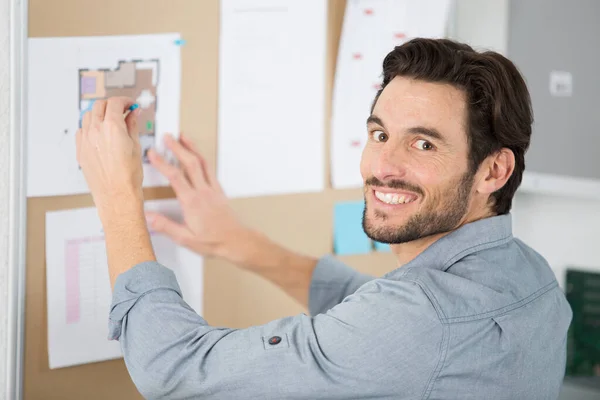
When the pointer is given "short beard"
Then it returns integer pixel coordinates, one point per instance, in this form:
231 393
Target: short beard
441 219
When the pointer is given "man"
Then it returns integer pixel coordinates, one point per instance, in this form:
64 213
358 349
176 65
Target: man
470 313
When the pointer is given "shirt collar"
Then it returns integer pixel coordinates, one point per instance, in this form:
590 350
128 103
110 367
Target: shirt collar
468 239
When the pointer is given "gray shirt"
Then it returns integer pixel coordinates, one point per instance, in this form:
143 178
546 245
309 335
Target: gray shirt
477 315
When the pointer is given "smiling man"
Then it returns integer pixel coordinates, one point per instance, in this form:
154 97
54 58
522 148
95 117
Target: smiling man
471 312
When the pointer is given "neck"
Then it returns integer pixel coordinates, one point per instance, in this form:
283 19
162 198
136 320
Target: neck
406 252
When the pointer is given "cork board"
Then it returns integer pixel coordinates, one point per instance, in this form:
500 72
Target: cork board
233 297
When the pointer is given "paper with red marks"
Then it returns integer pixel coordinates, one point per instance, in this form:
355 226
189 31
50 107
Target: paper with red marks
370 31
78 286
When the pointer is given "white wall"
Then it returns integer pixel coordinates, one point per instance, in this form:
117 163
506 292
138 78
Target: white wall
482 23
4 194
565 230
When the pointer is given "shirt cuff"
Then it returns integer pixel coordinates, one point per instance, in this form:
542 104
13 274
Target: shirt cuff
131 285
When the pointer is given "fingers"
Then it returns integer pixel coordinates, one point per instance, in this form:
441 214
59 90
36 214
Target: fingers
132 123
116 106
178 181
86 121
161 224
188 160
98 110
209 173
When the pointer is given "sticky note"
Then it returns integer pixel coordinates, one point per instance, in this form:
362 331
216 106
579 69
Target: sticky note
381 246
348 234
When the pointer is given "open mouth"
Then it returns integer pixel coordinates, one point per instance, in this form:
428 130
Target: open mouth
395 198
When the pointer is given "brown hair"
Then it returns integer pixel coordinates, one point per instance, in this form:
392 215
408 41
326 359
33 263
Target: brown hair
499 104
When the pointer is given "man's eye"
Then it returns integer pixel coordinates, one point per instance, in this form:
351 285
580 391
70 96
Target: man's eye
424 145
380 136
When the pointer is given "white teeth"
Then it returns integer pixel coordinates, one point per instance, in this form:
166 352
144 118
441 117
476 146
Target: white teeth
391 198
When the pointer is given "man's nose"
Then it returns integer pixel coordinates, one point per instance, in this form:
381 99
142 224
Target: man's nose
390 163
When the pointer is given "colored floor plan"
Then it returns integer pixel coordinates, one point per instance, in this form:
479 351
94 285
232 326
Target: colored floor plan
136 79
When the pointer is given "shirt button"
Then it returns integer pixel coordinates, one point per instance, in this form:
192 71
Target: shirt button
274 340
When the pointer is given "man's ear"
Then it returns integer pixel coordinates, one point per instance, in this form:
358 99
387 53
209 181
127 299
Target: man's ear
495 171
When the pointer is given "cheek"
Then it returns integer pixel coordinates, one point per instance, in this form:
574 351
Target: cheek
440 163
429 175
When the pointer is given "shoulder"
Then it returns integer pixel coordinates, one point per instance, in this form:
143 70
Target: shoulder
388 324
487 282
399 307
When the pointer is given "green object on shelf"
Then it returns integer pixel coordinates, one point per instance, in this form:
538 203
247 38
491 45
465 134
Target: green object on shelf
583 343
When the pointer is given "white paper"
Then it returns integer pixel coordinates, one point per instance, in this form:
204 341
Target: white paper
78 287
272 96
371 29
146 67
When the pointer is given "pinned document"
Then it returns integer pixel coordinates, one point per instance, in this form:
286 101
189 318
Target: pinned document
272 74
78 286
66 75
348 234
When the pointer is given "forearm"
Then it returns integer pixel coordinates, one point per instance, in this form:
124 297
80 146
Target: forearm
126 234
289 270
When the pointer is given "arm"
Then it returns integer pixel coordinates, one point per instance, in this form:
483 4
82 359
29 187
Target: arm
211 228
127 239
316 283
382 342
109 154
291 271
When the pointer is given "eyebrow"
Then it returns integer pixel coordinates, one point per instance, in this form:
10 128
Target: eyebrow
416 130
374 119
429 132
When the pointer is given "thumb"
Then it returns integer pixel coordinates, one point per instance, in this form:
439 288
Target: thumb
161 224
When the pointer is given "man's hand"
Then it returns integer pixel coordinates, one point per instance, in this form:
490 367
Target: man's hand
108 151
212 229
210 226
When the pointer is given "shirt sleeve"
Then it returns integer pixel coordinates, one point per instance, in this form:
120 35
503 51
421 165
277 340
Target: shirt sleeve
365 347
332 281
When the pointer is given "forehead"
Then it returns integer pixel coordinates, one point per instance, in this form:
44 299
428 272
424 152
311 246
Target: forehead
406 103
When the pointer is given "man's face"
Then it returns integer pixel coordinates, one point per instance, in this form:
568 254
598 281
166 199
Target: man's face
414 166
